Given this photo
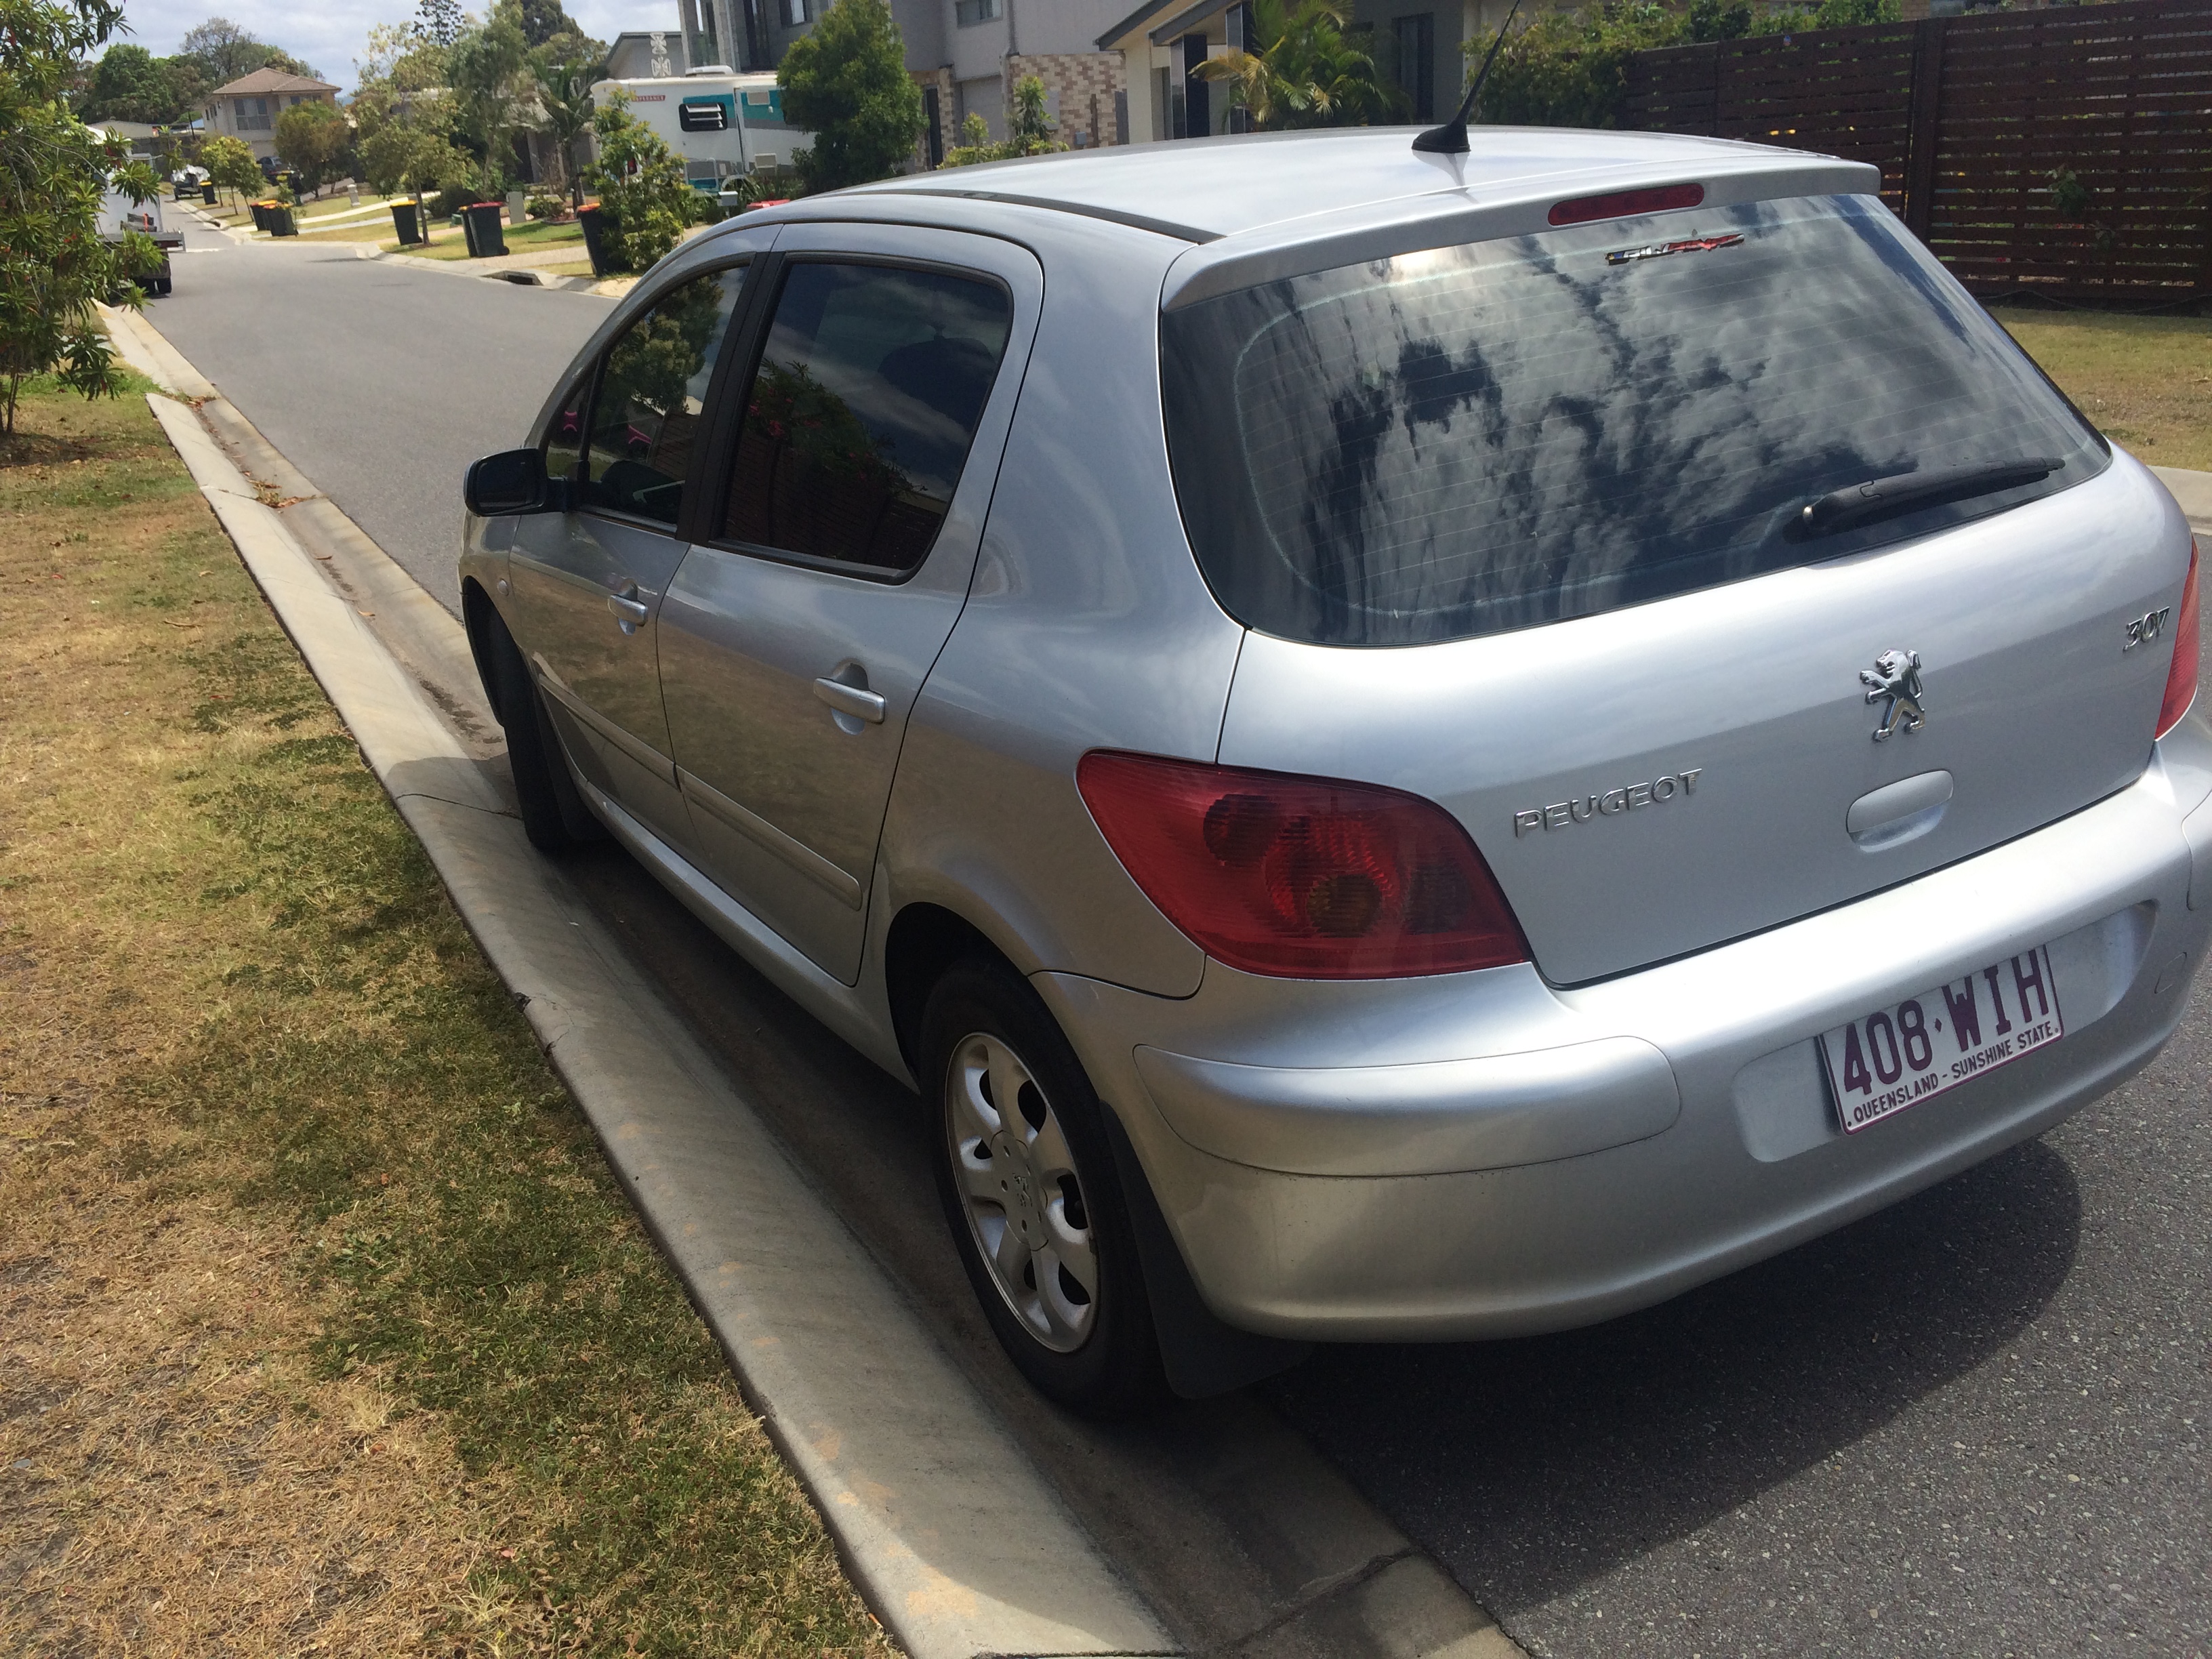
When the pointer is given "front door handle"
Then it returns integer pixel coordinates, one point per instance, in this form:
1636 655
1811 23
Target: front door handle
851 699
629 612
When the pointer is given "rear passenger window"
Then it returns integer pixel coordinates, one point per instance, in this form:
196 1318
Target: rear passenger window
859 420
646 418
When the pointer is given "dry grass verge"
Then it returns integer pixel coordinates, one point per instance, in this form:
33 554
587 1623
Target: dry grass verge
323 1327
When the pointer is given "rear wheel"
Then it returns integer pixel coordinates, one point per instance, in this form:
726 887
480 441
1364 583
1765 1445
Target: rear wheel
1032 1196
554 814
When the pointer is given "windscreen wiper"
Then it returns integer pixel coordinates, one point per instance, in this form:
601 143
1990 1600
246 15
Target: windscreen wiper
1905 492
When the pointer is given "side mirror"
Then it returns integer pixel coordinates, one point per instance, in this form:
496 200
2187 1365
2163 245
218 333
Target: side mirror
512 483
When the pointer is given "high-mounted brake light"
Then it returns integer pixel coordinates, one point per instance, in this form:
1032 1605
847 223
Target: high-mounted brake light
1303 877
2181 677
1626 203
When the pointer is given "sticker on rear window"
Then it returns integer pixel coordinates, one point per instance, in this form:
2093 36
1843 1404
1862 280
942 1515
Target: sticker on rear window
1660 249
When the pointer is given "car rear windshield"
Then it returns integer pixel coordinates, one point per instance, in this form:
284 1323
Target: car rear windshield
1474 439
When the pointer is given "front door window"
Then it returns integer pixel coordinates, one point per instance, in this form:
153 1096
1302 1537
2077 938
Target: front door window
645 417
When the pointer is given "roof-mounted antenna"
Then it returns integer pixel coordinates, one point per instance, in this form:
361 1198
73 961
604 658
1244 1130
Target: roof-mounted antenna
1450 139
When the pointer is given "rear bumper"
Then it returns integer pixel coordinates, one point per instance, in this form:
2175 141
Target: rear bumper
1482 1155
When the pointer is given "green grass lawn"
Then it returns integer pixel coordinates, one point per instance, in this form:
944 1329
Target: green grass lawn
333 1332
2145 381
519 239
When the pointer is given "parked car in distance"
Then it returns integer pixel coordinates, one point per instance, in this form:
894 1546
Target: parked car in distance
1401 745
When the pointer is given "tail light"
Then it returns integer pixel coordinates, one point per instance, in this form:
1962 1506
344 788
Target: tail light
2181 677
1307 878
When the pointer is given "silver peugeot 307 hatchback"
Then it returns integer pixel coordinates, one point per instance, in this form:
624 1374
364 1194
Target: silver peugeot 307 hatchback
1401 745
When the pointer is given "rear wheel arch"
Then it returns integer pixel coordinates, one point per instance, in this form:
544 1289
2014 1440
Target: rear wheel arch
922 944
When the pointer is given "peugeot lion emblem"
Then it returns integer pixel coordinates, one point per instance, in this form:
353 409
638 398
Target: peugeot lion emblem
1895 675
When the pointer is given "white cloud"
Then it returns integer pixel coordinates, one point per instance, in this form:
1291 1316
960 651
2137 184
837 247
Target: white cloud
331 34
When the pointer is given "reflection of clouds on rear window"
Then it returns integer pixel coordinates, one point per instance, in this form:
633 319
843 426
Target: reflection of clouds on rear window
1476 438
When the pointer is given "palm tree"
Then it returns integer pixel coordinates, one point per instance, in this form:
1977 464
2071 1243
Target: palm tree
564 108
1305 73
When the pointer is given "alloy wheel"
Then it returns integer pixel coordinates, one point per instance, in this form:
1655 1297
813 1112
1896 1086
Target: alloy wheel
1021 1191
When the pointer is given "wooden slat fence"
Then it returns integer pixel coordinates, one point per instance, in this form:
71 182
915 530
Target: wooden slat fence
2066 153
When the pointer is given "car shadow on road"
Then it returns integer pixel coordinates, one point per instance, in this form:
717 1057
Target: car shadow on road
1534 1467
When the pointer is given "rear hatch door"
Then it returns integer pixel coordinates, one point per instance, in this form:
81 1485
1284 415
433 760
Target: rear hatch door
1521 527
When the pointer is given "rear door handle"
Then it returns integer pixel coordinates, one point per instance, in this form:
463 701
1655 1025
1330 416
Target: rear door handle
631 613
851 699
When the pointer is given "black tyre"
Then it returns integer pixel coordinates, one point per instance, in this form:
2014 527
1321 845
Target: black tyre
1032 1196
554 814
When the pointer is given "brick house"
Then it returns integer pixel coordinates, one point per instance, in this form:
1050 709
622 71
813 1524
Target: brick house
248 108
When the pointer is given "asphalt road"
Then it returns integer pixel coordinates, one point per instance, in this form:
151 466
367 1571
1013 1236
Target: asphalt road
384 382
1973 1425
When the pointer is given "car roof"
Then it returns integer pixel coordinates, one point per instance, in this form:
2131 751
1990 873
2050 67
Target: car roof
1201 189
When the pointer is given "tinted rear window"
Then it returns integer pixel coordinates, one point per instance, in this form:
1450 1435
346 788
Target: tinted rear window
1474 439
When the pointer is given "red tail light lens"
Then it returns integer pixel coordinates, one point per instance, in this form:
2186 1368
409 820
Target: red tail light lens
2181 677
1625 203
1306 878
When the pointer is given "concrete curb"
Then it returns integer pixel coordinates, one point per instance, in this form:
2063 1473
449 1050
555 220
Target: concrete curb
2193 490
947 1530
520 275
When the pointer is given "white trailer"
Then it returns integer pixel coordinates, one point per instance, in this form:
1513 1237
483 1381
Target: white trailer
722 122
120 214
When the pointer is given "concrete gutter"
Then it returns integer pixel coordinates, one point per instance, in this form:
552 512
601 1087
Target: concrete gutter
952 1532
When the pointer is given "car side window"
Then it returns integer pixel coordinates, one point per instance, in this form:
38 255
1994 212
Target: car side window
645 419
564 438
859 419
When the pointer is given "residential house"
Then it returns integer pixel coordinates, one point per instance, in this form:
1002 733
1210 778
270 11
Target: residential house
248 108
1110 78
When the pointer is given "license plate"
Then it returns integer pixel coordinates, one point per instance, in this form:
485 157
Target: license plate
1898 1056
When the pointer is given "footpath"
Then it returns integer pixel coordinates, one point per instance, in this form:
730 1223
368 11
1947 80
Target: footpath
950 1531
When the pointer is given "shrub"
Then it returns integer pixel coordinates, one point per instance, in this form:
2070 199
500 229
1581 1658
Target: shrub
1030 128
546 207
1571 69
645 202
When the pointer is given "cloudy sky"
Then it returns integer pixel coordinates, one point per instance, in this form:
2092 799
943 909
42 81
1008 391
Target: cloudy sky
329 34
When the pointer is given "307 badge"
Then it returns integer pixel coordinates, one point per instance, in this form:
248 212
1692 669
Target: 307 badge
1898 1056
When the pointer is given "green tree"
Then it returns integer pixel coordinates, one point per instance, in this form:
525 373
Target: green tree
316 141
487 67
564 105
231 166
402 116
847 84
1030 128
223 49
440 22
127 85
54 172
186 88
645 201
544 23
1305 73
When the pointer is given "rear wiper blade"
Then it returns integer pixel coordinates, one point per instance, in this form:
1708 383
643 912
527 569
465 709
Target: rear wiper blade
1903 492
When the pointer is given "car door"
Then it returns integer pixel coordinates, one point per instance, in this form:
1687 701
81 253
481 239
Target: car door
589 582
855 471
